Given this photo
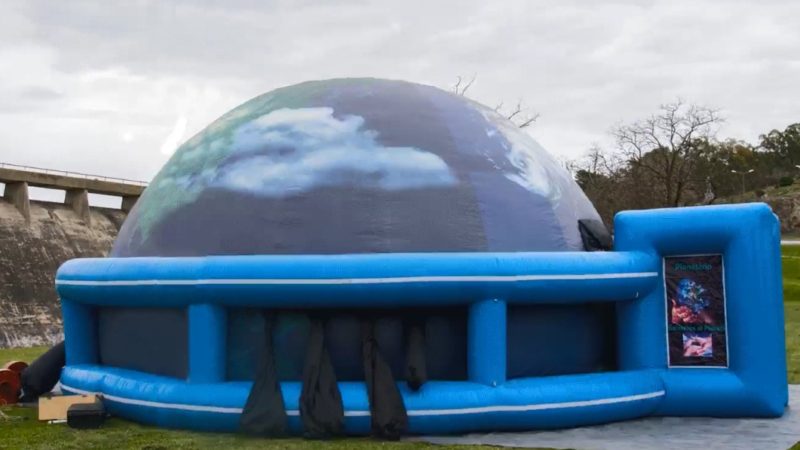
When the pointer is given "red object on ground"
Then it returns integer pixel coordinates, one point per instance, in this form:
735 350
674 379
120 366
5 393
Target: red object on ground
10 384
16 366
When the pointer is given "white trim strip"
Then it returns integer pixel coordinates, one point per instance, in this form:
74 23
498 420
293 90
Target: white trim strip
536 407
418 412
345 281
179 406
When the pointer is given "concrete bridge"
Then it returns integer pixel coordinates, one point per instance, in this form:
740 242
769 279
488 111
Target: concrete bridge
76 185
37 236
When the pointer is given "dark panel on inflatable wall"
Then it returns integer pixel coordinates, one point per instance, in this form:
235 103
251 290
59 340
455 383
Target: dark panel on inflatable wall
555 340
152 340
445 348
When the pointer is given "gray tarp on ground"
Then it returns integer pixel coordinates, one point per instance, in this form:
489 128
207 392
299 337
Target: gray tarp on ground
666 433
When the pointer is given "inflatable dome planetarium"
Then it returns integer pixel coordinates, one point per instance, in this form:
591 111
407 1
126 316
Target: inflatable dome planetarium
362 256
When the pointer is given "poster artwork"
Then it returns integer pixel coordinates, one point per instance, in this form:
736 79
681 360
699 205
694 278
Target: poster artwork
695 296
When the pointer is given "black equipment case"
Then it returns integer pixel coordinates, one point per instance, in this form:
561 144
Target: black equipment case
86 415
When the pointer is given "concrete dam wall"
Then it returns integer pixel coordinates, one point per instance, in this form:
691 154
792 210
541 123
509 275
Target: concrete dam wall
37 236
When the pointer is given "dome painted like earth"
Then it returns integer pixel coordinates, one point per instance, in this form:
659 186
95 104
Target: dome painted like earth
357 166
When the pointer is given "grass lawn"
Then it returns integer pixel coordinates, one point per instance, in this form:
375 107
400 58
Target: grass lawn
793 341
791 298
19 428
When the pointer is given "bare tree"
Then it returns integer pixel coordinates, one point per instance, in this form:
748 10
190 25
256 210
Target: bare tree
597 161
667 146
601 176
461 87
520 115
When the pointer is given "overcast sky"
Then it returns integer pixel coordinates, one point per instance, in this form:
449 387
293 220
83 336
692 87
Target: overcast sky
111 87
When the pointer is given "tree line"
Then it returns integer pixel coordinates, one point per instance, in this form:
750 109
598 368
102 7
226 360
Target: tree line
675 158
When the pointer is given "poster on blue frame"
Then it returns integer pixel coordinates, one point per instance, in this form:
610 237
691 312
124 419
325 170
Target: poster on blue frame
696 323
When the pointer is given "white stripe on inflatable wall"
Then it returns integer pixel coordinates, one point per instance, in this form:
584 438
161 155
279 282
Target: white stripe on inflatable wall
418 412
179 406
339 281
536 407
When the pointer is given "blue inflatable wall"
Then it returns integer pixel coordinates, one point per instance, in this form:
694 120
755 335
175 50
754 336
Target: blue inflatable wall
699 328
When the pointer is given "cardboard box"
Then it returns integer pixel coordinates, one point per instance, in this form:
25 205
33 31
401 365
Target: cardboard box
54 407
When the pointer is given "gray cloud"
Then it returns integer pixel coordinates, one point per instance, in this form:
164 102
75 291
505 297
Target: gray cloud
39 93
131 68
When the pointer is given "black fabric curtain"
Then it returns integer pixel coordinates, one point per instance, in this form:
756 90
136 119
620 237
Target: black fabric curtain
388 413
321 407
264 413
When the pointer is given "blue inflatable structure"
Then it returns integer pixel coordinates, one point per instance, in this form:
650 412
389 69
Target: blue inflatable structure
461 223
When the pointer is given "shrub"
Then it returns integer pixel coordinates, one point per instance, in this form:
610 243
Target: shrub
785 181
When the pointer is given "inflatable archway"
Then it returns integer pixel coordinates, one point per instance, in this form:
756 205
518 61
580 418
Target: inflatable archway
347 199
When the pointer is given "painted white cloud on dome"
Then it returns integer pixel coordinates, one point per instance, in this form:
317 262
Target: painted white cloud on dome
534 168
288 151
537 171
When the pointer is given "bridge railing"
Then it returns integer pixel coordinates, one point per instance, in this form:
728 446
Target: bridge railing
67 173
